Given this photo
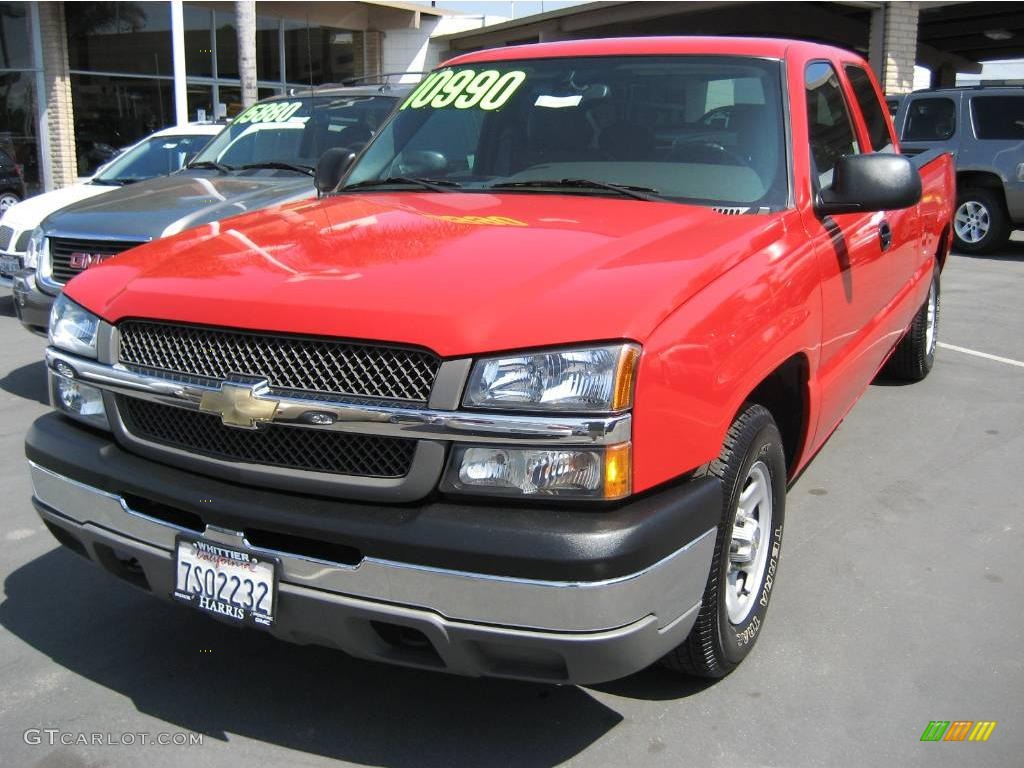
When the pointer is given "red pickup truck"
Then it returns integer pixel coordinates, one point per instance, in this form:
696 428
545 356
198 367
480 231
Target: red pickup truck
522 392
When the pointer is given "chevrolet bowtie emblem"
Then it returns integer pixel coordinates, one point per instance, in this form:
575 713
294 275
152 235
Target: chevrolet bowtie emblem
240 405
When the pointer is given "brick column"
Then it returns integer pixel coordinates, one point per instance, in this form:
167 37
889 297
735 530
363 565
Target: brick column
373 40
60 119
358 55
899 47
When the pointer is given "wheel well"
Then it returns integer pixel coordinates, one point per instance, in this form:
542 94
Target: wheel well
945 244
784 393
980 179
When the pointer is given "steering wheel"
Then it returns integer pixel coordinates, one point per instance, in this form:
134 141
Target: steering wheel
719 117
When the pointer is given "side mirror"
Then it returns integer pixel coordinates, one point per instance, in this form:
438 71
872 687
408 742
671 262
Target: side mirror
875 182
331 167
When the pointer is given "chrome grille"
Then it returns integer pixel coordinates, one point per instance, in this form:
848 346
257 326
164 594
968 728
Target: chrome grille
289 363
61 249
275 445
6 233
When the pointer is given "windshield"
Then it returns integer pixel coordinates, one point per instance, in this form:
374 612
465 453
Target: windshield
696 129
155 156
297 130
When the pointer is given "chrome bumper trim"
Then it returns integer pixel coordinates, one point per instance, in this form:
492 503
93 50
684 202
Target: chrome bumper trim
667 589
383 421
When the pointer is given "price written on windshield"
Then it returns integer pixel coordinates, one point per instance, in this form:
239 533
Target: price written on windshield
466 89
270 112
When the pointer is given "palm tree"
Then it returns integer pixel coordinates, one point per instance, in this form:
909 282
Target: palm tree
245 15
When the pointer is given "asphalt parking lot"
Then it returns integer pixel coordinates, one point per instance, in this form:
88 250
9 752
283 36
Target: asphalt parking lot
898 602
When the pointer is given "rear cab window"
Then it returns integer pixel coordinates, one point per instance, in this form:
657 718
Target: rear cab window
930 119
998 117
829 129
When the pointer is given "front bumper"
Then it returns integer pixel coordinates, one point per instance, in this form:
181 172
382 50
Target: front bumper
547 594
31 304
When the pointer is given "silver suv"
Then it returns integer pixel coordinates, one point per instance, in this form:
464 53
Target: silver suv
983 126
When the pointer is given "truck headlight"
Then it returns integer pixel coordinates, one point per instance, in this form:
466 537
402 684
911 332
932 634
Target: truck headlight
73 328
591 379
573 473
34 252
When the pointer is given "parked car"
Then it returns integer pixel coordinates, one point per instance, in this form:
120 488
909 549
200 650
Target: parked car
159 154
264 157
983 126
12 182
522 396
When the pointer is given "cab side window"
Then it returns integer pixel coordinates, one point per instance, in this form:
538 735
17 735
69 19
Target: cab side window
871 108
829 127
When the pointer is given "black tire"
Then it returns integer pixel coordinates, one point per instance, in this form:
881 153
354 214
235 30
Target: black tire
993 214
914 356
716 644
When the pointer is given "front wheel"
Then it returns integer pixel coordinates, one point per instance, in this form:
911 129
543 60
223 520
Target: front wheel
752 469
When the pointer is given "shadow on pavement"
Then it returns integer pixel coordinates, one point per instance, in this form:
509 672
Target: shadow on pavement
28 382
199 675
7 306
655 684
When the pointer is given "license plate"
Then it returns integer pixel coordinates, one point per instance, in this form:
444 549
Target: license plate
226 581
9 264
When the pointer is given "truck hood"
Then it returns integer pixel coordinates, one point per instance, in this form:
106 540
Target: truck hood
167 205
456 273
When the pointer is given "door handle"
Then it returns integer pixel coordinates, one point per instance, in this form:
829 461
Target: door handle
885 234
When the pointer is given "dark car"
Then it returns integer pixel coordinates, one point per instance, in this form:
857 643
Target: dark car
12 182
266 156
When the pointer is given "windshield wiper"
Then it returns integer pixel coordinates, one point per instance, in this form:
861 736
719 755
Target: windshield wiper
626 190
434 185
274 165
211 164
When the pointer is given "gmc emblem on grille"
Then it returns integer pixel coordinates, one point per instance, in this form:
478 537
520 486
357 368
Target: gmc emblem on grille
81 260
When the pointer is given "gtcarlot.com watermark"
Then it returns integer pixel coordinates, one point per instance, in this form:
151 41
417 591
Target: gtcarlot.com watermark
54 736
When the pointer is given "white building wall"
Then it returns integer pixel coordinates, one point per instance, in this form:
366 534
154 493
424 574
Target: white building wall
415 50
405 50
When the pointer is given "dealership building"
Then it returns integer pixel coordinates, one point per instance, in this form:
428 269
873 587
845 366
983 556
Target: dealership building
79 80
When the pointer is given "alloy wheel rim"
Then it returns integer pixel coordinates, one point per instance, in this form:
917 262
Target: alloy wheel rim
749 547
972 221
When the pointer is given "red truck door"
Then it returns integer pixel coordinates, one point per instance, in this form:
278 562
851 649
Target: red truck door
863 257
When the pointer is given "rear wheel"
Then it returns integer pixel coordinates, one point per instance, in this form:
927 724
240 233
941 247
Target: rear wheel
914 356
752 470
980 223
